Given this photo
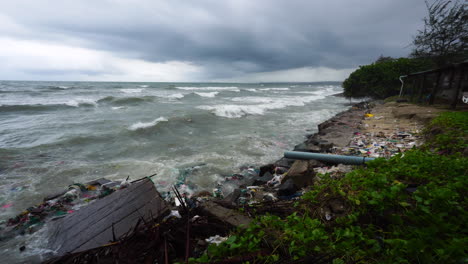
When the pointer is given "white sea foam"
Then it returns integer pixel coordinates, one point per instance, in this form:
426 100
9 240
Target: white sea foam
117 107
210 88
208 94
274 89
141 125
307 92
63 87
132 90
323 90
262 105
251 90
143 86
253 99
78 102
174 96
233 111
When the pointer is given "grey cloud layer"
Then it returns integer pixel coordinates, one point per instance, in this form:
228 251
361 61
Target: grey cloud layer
243 36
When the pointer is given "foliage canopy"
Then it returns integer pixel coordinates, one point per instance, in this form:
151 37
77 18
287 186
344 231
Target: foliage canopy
445 34
381 78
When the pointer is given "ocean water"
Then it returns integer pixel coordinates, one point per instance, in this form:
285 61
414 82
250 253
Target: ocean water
53 134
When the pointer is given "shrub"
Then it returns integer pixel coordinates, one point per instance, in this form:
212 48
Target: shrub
381 79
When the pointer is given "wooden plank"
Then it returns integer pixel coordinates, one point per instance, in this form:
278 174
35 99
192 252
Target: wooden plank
123 221
110 201
91 226
126 202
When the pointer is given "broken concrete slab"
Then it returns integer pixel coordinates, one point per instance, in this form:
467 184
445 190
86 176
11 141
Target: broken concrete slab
301 173
232 217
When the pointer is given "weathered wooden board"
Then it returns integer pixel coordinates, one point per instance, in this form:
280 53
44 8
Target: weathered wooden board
91 226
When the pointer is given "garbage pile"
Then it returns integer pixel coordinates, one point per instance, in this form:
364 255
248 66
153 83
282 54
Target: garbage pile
380 145
58 205
335 172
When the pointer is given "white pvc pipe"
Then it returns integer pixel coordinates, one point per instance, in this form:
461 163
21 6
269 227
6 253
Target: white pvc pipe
402 84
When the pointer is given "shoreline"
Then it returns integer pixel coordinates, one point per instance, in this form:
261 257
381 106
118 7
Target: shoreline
266 190
274 188
203 195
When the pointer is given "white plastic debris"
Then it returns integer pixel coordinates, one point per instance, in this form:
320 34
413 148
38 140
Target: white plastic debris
173 213
124 184
276 181
216 239
270 197
177 202
195 218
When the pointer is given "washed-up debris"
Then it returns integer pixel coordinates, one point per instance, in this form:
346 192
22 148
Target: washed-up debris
380 145
276 180
107 219
231 217
334 171
216 239
58 205
173 213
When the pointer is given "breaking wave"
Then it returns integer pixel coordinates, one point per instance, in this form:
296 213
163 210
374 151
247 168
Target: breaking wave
81 102
125 100
208 94
47 106
143 125
57 88
274 89
262 105
209 88
36 107
132 90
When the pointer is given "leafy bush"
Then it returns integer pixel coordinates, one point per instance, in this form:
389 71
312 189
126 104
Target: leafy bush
448 133
381 79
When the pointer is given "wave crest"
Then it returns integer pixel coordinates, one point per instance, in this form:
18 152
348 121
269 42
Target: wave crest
262 104
210 88
208 94
143 125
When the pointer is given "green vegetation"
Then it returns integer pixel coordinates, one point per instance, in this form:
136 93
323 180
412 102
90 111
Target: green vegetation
442 41
381 79
444 37
448 133
411 208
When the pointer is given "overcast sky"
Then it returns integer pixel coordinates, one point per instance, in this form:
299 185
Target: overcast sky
201 40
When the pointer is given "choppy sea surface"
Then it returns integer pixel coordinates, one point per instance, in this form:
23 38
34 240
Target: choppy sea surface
53 134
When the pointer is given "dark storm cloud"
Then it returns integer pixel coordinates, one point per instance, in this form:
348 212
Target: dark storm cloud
242 36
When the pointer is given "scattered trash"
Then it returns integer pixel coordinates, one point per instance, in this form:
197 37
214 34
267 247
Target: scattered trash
276 181
334 171
173 213
58 205
216 239
380 145
270 197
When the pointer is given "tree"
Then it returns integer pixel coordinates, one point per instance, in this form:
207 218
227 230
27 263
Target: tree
380 79
445 34
382 59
